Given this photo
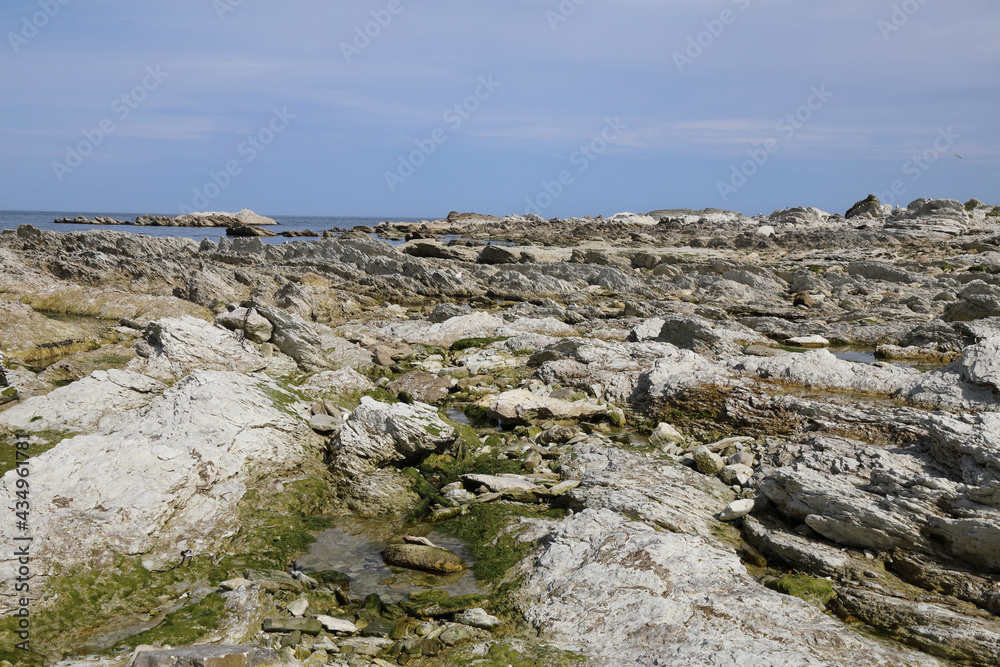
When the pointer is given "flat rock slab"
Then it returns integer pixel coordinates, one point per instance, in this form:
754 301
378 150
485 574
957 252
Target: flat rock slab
205 656
309 626
520 406
421 386
498 484
422 557
337 624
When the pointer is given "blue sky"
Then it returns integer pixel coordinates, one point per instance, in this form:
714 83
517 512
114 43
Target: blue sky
565 107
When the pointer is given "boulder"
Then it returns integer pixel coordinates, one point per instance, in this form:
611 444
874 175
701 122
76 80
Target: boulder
248 322
296 338
494 254
655 597
420 386
520 406
336 383
665 435
423 557
378 434
80 407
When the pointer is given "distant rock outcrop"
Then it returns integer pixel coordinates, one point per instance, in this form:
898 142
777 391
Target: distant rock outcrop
209 219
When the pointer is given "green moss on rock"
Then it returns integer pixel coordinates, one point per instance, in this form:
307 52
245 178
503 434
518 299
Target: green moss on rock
811 589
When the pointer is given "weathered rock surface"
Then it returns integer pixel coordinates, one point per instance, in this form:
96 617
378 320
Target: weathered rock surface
627 594
169 476
173 348
520 406
81 406
377 434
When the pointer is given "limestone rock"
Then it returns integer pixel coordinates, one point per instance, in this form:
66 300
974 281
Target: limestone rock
296 338
422 557
707 461
809 341
494 254
620 566
255 327
172 348
869 207
477 618
336 383
520 406
168 477
420 386
338 625
79 407
981 363
378 434
736 509
665 435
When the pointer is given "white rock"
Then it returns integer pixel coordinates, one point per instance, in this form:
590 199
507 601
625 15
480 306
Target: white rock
477 618
298 607
337 624
379 433
520 406
736 509
460 496
664 434
623 593
809 341
256 327
168 477
324 423
174 347
80 406
332 383
233 584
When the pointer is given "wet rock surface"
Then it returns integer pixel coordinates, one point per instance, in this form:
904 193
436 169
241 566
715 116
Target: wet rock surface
679 438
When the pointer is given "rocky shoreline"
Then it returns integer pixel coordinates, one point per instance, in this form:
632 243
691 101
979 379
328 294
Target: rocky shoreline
688 437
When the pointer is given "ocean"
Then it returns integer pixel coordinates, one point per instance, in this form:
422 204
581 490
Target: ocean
44 220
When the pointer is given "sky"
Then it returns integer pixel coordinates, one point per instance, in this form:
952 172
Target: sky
558 107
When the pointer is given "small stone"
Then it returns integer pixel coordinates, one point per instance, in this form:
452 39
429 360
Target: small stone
737 474
708 462
478 618
741 458
233 584
324 423
809 341
451 487
736 509
460 496
563 487
664 435
337 625
298 607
